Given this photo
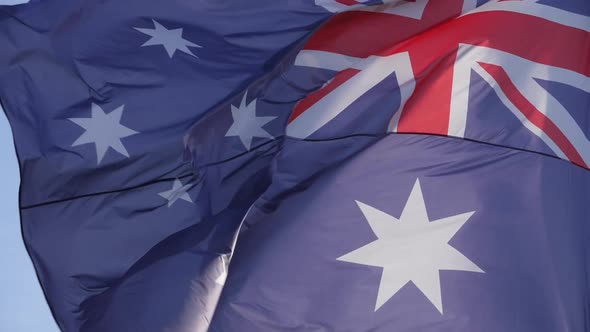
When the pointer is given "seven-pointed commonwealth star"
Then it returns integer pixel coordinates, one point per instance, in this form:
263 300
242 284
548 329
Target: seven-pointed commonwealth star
104 130
178 191
411 249
246 124
171 39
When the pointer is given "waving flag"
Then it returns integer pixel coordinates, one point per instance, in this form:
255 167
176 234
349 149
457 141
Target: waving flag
419 187
406 165
123 234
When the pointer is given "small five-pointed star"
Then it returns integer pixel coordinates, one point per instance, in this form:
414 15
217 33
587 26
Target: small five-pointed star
104 130
178 191
171 39
246 124
411 249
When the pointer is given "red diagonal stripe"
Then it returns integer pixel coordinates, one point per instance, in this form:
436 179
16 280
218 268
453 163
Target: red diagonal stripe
314 97
532 113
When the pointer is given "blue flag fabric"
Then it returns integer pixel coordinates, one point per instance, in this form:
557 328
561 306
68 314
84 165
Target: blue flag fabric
501 246
123 233
230 166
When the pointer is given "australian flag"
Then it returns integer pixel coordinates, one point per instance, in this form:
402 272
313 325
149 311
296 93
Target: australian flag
301 165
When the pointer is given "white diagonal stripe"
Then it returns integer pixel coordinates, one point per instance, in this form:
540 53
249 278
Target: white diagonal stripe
533 8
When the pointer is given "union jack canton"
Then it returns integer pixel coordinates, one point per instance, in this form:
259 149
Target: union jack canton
447 56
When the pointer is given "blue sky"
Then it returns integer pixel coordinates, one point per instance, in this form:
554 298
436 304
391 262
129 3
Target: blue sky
22 306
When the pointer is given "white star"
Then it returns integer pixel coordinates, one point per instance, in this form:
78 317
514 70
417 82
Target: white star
104 130
178 191
171 39
411 249
246 124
